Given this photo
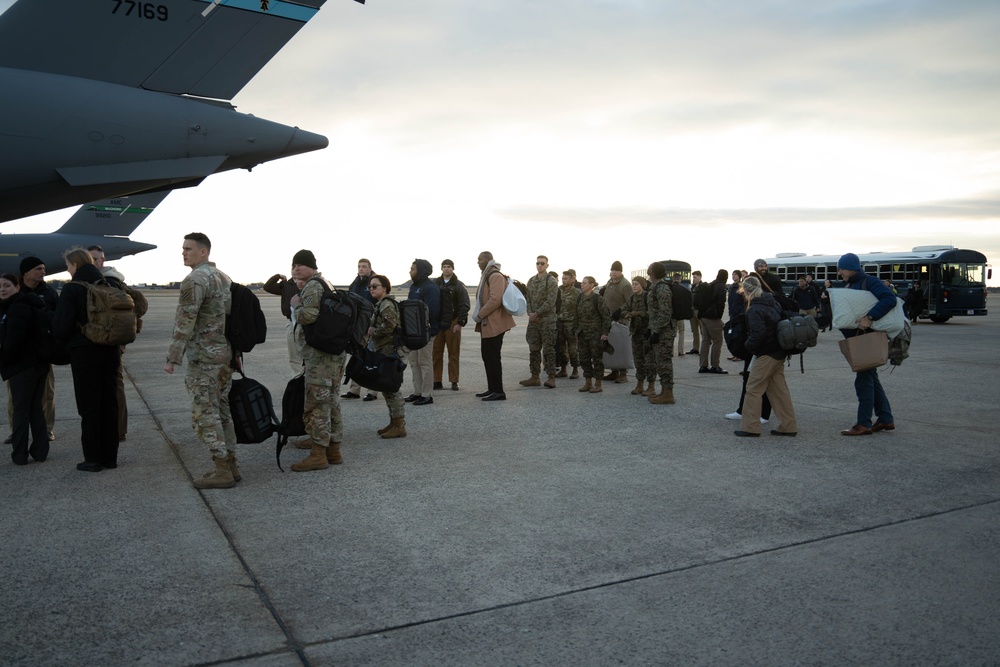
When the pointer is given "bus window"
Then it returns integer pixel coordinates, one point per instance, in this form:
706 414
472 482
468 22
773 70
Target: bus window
951 275
974 274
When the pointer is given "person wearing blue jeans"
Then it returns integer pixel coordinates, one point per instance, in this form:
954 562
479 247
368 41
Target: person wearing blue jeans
871 396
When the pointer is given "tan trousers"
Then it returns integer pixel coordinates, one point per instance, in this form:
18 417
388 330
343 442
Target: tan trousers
680 338
453 342
767 374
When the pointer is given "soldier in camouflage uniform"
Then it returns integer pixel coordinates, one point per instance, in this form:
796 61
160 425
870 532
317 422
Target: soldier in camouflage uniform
592 326
200 334
662 329
638 324
566 337
323 371
382 336
616 293
541 333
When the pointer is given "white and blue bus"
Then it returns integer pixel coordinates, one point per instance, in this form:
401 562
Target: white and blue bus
952 281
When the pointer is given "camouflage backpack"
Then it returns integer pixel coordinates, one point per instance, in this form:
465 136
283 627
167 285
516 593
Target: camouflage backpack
899 347
110 315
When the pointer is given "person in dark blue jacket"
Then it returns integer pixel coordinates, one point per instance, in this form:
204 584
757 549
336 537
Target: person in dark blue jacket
871 396
422 360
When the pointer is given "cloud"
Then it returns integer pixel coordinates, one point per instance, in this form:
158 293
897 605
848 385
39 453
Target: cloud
983 208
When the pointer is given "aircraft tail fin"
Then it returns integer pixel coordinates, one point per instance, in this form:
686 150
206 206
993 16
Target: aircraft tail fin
206 48
118 216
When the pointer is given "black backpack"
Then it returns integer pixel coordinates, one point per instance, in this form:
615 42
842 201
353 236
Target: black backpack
252 410
293 407
246 325
46 345
681 300
342 321
735 333
414 323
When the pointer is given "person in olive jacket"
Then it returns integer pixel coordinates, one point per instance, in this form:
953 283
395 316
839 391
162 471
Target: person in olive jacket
94 367
24 369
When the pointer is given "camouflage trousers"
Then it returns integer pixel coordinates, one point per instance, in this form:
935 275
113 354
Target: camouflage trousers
642 355
662 358
591 349
568 352
541 337
321 415
208 386
395 403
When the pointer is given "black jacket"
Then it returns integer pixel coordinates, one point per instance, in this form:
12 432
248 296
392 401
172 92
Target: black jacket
18 329
454 301
71 312
763 316
713 300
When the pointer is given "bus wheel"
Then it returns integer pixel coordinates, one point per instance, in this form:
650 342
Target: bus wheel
940 319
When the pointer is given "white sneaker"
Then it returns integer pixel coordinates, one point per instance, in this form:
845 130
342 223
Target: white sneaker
763 421
734 415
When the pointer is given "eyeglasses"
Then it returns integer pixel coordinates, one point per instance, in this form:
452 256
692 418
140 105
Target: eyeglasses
373 287
541 263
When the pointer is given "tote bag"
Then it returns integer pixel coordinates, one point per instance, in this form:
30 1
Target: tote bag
866 351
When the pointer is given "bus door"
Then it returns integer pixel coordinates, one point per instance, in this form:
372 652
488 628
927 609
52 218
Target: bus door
933 288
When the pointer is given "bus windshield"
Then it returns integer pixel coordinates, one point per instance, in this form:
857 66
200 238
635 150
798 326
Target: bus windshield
963 275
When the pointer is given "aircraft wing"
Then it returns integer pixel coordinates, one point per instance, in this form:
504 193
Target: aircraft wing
206 48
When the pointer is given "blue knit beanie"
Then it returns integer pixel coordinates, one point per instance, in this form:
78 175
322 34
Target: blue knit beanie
849 262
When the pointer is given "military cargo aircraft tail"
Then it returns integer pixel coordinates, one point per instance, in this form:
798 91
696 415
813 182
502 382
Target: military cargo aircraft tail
104 98
106 223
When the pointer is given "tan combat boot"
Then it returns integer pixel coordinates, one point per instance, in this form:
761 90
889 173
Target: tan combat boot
551 382
220 478
639 388
611 375
576 373
597 388
398 429
231 462
587 386
333 454
561 373
387 427
533 381
315 461
652 389
665 397
622 377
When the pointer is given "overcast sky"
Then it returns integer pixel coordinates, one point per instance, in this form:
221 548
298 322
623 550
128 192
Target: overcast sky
602 130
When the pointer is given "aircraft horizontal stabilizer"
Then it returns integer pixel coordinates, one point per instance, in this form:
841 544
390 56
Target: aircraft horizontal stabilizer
133 172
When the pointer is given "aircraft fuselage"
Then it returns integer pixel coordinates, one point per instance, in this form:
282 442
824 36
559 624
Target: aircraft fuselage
69 140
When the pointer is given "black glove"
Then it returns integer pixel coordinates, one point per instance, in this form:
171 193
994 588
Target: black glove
617 315
654 337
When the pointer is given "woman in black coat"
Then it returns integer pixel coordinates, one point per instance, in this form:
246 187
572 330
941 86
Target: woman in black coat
24 369
767 372
94 367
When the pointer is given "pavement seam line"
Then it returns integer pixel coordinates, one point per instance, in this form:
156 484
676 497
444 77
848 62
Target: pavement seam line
291 641
651 575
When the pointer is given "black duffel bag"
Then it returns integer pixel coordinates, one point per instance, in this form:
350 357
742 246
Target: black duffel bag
376 371
735 332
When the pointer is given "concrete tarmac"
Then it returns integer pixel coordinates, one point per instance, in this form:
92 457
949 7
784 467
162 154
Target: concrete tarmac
556 528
